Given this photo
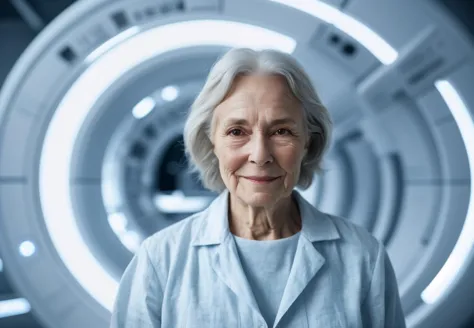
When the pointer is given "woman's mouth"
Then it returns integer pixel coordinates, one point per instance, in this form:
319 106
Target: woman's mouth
261 180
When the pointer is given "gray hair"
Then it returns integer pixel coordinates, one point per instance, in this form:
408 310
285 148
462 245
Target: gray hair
197 136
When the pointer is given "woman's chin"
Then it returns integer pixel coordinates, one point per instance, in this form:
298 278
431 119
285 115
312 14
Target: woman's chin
260 198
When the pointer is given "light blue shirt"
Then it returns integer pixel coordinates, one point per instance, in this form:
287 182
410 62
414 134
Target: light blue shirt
190 275
267 265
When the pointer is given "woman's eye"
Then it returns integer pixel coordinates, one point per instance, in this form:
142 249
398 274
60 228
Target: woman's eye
235 132
282 131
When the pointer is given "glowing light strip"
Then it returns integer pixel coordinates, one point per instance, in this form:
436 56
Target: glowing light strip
15 306
143 108
177 202
465 243
55 193
129 238
352 27
109 44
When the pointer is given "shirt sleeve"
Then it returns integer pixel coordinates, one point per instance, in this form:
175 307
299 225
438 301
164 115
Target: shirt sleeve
139 298
382 306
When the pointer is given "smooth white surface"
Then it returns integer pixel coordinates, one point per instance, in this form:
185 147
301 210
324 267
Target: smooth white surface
109 44
465 243
384 52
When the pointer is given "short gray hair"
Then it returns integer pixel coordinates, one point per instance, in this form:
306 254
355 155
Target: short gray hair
197 137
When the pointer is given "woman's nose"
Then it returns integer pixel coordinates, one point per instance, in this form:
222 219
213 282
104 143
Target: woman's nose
260 151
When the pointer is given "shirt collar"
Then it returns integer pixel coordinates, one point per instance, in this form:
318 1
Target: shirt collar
214 228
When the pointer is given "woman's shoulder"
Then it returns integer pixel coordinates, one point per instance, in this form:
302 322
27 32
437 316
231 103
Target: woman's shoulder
345 234
169 247
354 238
176 233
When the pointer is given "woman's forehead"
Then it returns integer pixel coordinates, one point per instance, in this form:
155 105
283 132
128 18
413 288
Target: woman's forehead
258 98
266 86
259 93
244 114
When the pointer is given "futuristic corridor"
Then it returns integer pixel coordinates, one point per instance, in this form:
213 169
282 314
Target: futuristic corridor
93 98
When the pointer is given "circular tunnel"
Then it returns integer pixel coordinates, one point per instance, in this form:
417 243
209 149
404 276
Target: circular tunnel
91 150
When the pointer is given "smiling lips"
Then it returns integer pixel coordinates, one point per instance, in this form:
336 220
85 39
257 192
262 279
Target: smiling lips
261 179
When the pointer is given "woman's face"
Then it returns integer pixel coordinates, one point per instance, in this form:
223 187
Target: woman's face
258 131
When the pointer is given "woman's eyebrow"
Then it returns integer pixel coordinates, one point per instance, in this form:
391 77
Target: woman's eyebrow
285 120
235 121
242 121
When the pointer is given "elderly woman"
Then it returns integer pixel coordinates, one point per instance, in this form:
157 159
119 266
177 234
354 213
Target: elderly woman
260 255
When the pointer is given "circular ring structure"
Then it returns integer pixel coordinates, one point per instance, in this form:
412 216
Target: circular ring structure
401 163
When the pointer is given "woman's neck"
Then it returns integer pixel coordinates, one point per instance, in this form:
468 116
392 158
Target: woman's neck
281 220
